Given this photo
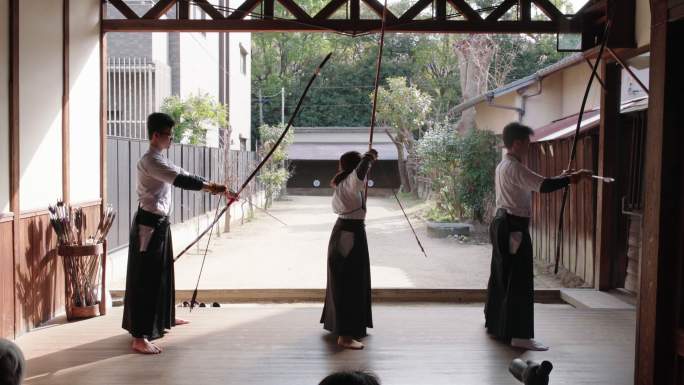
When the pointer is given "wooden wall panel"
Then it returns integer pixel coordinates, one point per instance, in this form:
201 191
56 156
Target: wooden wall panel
6 280
39 278
39 286
549 159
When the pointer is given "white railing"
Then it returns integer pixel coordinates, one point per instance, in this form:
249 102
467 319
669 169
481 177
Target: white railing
136 87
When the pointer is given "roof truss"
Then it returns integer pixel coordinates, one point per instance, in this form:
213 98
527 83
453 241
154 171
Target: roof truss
258 16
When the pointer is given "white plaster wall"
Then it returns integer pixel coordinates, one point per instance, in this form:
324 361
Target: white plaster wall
575 80
199 66
240 89
40 102
160 47
544 108
494 119
4 108
84 100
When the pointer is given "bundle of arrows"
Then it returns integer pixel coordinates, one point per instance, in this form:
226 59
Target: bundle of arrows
70 224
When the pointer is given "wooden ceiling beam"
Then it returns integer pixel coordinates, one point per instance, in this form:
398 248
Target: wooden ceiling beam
330 9
466 10
159 9
243 10
295 9
125 10
501 10
549 9
339 25
209 9
377 8
415 10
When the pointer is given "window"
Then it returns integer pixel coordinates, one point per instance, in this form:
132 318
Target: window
243 143
243 60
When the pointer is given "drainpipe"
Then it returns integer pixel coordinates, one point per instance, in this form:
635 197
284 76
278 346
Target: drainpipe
520 110
525 96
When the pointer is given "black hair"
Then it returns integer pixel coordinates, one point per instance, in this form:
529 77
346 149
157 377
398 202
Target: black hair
515 131
350 378
348 162
12 364
158 122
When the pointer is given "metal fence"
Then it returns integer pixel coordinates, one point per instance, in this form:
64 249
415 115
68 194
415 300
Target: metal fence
136 87
211 163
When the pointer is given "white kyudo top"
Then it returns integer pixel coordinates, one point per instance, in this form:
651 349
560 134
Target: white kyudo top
347 199
155 178
514 185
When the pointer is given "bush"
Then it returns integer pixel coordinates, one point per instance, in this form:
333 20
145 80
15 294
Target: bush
438 161
461 169
478 157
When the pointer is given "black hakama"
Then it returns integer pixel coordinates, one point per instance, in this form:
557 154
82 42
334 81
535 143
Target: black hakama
509 312
347 309
149 301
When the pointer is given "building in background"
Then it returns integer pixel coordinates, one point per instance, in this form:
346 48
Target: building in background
315 152
145 68
549 102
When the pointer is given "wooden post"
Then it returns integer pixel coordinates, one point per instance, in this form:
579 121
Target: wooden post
103 293
103 110
14 143
525 10
66 172
607 207
440 9
659 356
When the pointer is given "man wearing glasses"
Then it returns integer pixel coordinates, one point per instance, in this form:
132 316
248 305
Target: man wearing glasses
149 302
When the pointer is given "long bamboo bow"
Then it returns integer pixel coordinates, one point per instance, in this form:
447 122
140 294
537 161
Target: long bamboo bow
573 152
372 124
251 176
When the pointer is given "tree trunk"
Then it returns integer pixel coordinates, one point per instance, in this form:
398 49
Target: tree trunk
475 54
406 185
403 172
227 172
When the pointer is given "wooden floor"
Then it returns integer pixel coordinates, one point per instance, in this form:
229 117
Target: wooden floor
284 344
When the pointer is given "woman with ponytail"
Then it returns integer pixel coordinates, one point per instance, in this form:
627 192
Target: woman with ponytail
347 309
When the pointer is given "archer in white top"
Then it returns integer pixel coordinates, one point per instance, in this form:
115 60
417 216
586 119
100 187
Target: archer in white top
348 202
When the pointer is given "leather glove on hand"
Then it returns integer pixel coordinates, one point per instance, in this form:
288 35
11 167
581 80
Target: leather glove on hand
372 154
215 188
578 175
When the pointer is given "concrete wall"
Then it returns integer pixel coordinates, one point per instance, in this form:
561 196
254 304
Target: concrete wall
240 86
84 100
4 108
40 98
240 89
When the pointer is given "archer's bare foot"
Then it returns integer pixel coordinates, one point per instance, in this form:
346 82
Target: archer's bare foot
180 321
142 345
349 343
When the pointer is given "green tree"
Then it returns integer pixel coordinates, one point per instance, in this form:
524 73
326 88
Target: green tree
194 116
404 109
274 174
